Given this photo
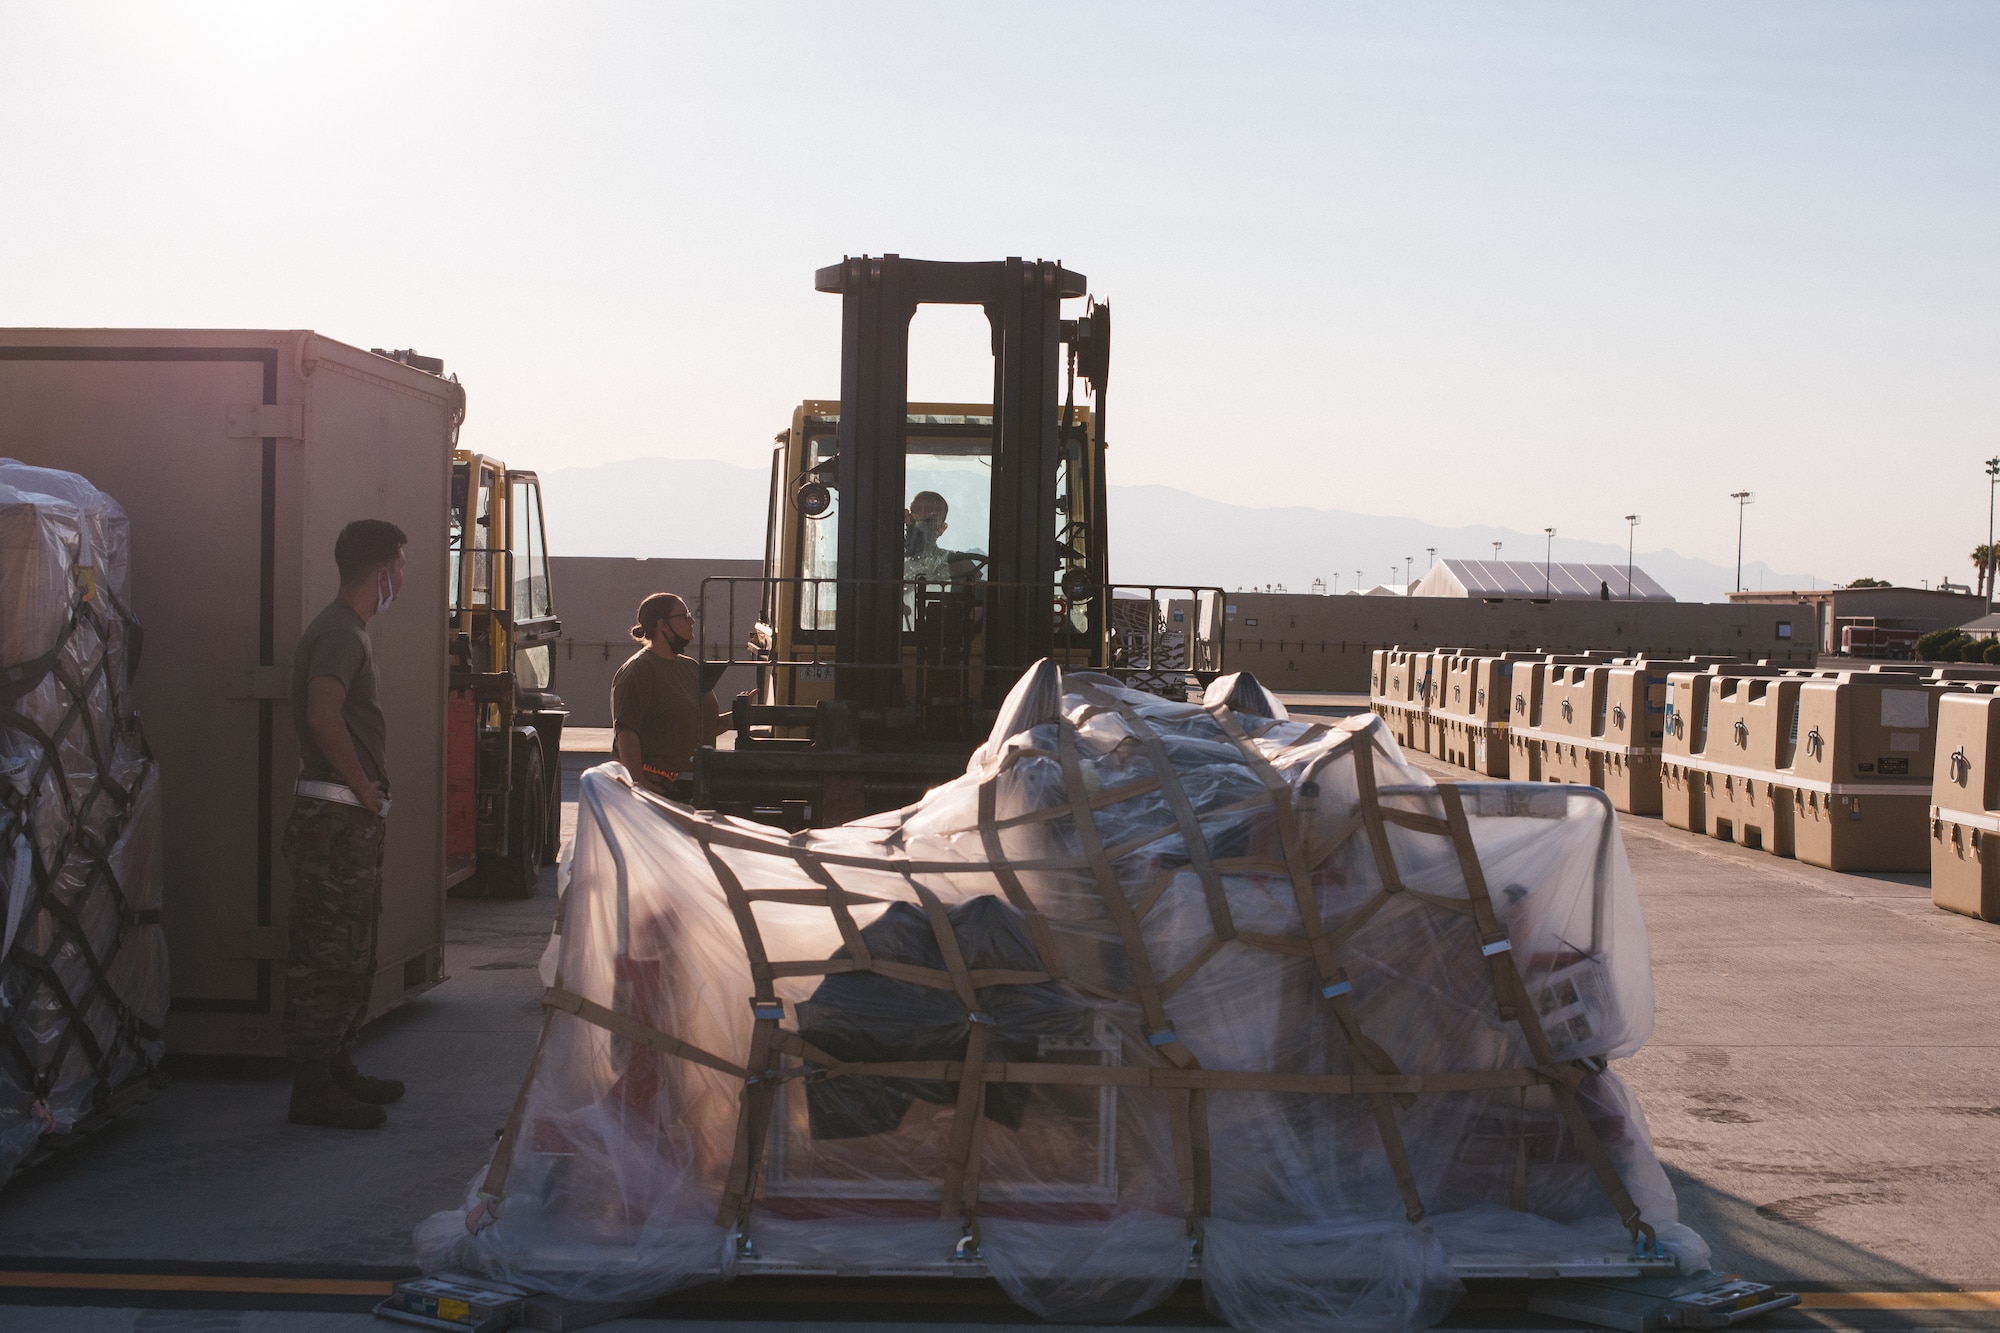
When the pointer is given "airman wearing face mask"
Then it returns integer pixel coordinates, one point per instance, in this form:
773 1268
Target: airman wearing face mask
660 714
334 840
924 525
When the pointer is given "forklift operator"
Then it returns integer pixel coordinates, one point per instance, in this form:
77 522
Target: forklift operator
923 558
660 714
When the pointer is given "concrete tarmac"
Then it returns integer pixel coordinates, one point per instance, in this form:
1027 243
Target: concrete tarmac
1822 1085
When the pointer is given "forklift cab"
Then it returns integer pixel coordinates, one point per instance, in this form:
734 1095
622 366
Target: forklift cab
947 596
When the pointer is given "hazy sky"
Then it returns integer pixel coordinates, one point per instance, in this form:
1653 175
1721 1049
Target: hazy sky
1528 264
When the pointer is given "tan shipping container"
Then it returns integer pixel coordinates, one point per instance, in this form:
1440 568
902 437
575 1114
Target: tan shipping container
1474 702
1862 771
239 455
1690 743
1833 767
1402 709
1965 805
1532 736
1752 736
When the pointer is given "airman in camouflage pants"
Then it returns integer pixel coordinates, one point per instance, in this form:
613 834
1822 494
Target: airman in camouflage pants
335 852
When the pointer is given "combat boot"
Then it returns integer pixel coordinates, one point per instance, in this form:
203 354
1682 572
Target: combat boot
318 1100
359 1086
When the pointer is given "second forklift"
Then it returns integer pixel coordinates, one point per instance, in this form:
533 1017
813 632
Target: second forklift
504 721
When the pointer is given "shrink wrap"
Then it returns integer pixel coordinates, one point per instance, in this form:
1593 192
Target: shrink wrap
83 969
1155 990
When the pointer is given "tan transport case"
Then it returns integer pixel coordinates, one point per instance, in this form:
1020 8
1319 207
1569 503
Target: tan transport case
1965 806
239 455
1474 701
1440 661
1830 766
1597 723
1400 704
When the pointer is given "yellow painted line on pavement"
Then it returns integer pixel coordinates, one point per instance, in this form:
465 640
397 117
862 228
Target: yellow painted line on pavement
252 1286
1898 1300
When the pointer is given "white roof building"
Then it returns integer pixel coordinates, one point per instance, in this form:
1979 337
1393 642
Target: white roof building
1531 580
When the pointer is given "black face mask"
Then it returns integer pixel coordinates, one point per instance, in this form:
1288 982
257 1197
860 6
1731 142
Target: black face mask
678 644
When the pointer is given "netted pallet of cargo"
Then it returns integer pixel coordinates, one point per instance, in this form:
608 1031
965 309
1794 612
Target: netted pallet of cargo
1152 982
83 982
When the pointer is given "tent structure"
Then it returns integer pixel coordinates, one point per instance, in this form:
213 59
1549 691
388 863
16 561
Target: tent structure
1531 580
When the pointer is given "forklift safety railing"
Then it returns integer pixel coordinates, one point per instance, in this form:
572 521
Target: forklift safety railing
1138 627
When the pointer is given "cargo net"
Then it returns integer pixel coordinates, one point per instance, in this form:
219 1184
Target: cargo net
83 975
1154 990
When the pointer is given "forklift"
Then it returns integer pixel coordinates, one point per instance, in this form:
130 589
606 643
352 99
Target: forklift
503 774
920 556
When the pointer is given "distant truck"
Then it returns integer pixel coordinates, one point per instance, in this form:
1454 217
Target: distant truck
1878 641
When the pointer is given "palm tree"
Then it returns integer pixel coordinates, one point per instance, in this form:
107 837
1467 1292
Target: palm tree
1981 555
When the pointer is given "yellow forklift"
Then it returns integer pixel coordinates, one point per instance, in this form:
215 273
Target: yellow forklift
503 792
920 556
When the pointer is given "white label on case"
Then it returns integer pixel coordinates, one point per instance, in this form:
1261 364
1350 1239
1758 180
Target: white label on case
1906 708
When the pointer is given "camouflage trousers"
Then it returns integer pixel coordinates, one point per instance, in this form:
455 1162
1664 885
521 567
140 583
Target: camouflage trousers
335 852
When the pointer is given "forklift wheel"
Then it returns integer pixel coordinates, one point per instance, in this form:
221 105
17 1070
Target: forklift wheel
518 873
552 827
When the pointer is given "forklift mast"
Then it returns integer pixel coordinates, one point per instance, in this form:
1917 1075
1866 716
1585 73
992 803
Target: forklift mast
1022 300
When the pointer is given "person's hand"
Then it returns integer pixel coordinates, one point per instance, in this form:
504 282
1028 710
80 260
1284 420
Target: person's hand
372 799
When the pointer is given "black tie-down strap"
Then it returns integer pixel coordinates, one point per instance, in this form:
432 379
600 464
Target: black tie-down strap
75 1036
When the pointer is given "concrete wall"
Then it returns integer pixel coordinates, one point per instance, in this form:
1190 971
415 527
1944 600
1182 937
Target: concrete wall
1298 641
596 598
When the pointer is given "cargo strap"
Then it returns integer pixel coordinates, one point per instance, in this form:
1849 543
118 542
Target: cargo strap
818 1065
753 1121
1039 932
1187 1116
1508 986
1193 840
961 1173
1334 985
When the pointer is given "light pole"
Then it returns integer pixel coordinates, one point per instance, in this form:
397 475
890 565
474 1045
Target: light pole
1547 551
1357 580
1992 476
1496 552
1432 551
1408 560
1742 498
1631 528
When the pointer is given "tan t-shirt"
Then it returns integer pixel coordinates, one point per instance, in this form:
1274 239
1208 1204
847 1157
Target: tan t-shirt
336 645
660 700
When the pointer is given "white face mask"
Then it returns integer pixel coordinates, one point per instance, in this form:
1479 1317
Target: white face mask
385 593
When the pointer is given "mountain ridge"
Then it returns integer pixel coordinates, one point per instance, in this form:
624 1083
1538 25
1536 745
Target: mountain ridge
641 508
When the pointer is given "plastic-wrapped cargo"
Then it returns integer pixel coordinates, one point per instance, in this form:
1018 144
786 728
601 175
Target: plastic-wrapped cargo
83 967
1155 990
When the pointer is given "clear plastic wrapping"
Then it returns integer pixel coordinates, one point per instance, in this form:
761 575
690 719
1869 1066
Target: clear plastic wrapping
1155 990
83 971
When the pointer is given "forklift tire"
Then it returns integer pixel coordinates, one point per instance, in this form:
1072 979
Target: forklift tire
518 874
552 828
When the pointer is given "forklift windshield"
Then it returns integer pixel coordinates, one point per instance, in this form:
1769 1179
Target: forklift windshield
947 502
